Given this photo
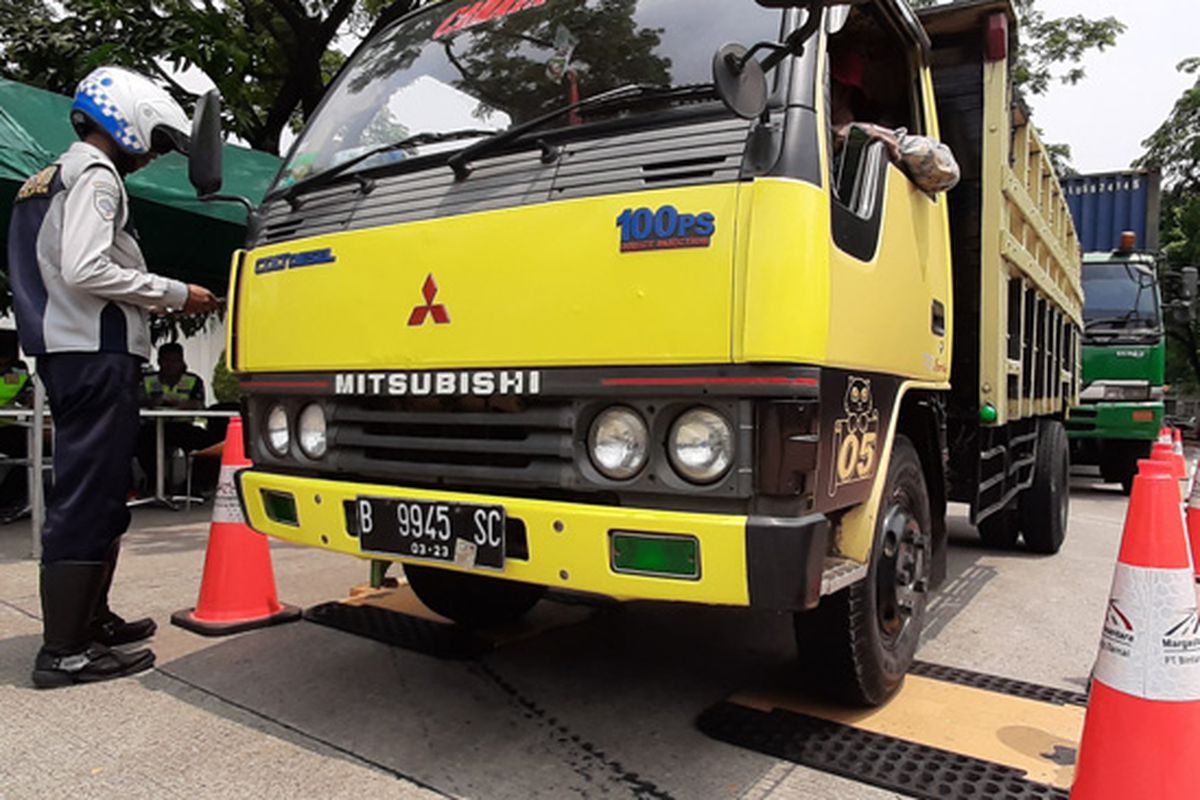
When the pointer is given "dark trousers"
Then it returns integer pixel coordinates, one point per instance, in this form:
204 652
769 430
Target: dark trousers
94 400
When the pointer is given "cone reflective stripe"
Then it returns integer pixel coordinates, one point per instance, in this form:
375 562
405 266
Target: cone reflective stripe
1180 458
237 592
1193 525
1164 452
1142 731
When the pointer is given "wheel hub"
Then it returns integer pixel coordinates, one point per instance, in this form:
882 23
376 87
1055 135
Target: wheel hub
901 575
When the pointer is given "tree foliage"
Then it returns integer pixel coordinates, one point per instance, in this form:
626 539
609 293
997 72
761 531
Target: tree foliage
1174 150
1052 48
1175 147
1180 234
271 59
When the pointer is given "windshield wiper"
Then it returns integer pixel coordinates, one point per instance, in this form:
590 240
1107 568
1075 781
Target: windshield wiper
327 177
460 162
1124 319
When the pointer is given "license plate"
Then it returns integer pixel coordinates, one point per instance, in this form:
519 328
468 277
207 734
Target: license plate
456 533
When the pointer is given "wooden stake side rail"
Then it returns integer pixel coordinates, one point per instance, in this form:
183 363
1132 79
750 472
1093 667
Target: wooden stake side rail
1031 281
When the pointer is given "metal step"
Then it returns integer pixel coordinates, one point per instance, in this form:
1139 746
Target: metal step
839 573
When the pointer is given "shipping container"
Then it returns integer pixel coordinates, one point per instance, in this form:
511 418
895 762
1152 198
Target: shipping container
1105 205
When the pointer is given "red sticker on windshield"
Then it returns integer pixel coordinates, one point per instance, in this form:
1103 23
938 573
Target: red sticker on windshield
470 15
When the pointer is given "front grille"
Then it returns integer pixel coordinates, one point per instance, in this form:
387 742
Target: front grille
520 447
1083 419
521 444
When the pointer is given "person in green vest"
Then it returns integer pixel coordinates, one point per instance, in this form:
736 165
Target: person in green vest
16 390
173 386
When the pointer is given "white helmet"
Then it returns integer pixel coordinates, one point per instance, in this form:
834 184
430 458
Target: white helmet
137 114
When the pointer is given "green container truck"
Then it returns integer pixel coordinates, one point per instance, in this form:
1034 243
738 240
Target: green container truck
1124 347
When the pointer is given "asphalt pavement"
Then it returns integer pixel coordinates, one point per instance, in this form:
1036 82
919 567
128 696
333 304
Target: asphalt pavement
601 707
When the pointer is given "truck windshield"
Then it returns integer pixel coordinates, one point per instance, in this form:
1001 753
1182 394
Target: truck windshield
1120 296
459 70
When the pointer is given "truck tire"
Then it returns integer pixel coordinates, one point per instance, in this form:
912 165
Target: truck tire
857 645
1118 461
1001 530
473 601
1044 507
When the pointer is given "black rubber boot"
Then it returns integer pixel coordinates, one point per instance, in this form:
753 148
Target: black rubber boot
108 628
69 655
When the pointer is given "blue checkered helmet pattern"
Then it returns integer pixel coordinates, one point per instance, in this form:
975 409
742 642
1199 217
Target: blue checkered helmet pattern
137 114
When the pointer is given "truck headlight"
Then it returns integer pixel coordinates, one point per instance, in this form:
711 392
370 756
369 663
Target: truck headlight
619 443
278 434
1127 391
701 445
310 431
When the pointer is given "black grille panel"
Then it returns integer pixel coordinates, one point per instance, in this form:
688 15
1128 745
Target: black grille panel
695 153
708 152
529 445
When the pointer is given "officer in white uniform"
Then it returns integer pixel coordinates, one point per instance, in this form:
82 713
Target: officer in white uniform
82 296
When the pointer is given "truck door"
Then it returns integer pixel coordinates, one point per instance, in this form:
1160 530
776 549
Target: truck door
889 263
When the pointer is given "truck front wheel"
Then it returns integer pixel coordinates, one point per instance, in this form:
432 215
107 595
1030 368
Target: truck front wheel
858 644
1044 507
472 601
1118 461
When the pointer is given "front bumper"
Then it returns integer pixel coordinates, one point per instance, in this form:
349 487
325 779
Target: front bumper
770 563
1140 421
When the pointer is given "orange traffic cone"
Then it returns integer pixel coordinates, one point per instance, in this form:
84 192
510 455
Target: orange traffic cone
1142 730
237 592
1177 451
1193 525
1164 435
1164 452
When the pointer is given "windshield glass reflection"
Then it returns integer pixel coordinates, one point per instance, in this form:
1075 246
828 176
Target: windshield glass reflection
487 65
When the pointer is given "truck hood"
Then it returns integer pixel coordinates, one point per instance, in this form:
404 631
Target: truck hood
626 279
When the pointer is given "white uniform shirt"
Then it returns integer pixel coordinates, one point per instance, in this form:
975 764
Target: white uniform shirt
98 292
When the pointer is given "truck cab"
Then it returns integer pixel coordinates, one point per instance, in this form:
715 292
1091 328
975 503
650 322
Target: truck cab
1124 344
535 303
1124 356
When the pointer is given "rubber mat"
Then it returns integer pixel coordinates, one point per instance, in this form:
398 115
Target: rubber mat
995 683
935 739
396 617
437 639
889 763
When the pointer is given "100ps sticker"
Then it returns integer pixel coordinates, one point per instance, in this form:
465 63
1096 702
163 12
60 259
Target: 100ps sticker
665 228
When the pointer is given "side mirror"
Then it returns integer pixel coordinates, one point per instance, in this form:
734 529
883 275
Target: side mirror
1178 313
740 80
204 156
1191 283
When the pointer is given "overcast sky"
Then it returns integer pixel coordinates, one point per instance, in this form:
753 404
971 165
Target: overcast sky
1129 89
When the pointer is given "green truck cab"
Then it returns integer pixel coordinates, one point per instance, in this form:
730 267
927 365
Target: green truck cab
1124 359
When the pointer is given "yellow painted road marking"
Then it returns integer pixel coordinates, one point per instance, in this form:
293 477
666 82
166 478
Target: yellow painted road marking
1013 731
401 600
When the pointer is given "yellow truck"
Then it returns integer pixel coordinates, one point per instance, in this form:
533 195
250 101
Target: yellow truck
585 295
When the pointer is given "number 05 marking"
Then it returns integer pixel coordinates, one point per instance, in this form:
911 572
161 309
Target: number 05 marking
856 459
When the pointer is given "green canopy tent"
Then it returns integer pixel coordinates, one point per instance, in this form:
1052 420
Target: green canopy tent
181 236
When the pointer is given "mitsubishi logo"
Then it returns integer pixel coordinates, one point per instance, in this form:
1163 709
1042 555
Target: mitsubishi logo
438 311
